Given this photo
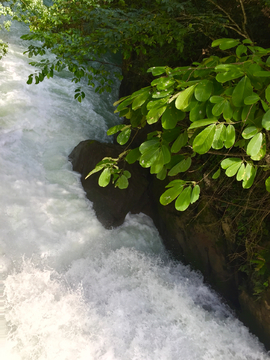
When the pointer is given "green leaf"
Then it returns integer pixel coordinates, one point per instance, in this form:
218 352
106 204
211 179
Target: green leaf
219 137
195 194
218 108
249 132
115 129
241 172
124 104
262 152
262 73
197 112
252 99
232 170
216 174
183 99
267 93
157 70
147 145
166 154
140 100
229 75
162 174
226 163
225 43
230 137
254 145
158 164
124 136
182 166
203 141
179 142
183 200
204 122
249 176
133 156
267 184
203 90
242 90
148 158
104 178
122 182
169 195
154 115
216 99
171 116
227 111
241 49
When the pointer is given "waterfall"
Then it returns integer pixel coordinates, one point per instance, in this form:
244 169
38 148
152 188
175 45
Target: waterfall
70 289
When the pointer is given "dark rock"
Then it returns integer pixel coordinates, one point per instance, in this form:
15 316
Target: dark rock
110 204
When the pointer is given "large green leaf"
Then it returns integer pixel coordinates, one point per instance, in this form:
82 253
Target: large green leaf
262 152
242 90
154 115
147 145
157 70
133 156
267 184
255 144
203 90
249 132
197 112
115 129
179 142
203 141
182 166
227 111
249 176
252 99
171 116
148 158
183 200
230 136
195 194
218 108
158 164
229 75
226 163
140 100
201 123
241 172
232 170
225 43
266 120
104 178
122 182
124 136
183 99
267 93
169 195
219 137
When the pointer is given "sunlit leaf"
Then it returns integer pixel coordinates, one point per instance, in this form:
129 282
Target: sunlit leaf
219 137
124 136
169 195
195 194
182 166
254 145
184 98
104 178
232 170
266 120
249 132
203 90
179 142
226 163
267 184
171 116
203 141
241 172
183 200
249 176
230 136
242 90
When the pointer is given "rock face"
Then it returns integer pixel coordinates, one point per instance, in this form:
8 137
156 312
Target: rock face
110 204
196 236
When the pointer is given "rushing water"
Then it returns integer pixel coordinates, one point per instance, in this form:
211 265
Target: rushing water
73 290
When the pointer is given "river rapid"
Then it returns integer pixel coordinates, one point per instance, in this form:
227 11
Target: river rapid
70 289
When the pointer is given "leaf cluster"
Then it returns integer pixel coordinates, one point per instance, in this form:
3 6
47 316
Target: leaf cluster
219 106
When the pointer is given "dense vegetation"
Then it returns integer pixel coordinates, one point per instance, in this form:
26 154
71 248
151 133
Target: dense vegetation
204 72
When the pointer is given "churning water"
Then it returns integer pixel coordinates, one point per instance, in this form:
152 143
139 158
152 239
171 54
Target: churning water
71 290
